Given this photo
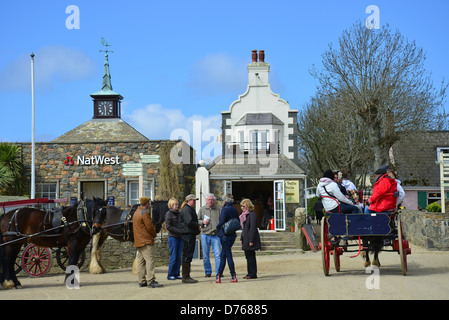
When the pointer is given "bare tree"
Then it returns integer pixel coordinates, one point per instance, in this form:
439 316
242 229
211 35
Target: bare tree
331 139
381 78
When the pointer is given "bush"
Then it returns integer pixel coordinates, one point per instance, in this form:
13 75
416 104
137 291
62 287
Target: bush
434 207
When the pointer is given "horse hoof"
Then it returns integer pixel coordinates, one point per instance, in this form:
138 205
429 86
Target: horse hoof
367 264
376 263
8 284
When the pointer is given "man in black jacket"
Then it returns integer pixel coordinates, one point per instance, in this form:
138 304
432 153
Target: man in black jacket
188 224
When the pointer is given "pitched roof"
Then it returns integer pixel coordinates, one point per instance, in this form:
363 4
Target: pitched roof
275 165
102 130
258 118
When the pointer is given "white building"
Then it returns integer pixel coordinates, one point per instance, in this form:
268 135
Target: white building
260 152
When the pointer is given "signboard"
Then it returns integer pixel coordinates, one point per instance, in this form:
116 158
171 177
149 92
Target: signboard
132 169
150 158
292 191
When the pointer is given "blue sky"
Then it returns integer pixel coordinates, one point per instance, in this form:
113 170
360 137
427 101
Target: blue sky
179 61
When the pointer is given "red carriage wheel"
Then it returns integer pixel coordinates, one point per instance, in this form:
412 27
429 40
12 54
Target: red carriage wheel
325 246
36 261
402 249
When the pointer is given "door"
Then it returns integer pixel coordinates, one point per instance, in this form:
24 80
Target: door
92 189
279 205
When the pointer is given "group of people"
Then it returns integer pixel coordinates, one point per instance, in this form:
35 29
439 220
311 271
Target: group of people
338 194
183 225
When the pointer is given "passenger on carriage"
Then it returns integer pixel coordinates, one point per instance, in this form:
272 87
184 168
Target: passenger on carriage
385 192
350 188
332 198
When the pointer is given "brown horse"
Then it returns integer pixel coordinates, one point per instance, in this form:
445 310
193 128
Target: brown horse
117 223
69 227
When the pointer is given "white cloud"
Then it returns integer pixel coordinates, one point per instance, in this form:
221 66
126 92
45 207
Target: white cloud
50 63
156 122
219 73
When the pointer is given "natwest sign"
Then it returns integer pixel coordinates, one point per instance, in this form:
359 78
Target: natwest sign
92 160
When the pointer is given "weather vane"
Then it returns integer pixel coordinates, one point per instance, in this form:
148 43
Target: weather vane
104 43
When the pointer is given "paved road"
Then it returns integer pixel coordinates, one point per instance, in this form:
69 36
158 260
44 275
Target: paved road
281 277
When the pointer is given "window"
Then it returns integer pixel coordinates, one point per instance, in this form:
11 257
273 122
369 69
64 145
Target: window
48 190
259 141
433 197
133 191
441 150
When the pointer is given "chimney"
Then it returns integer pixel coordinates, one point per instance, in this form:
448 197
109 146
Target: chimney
261 56
254 56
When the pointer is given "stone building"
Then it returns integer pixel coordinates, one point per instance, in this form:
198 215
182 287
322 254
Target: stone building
106 157
416 159
259 157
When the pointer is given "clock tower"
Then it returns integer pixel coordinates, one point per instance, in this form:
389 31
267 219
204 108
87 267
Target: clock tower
107 103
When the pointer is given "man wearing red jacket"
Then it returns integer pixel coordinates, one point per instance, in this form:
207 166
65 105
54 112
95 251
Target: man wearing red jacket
384 194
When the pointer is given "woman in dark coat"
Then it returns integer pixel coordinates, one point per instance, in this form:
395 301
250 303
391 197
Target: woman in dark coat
250 237
228 212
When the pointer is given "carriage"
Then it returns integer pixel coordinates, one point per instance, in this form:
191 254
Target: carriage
362 233
36 261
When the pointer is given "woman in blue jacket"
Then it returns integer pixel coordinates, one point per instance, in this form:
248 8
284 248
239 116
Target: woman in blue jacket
228 212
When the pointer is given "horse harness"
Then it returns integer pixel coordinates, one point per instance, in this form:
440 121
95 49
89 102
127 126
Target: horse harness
126 219
54 221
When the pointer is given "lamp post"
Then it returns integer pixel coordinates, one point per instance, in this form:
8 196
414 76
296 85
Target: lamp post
33 173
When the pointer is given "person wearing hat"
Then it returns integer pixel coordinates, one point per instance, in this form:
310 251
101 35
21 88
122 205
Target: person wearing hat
384 194
331 197
144 234
189 227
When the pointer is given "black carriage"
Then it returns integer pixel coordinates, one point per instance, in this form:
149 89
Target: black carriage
342 233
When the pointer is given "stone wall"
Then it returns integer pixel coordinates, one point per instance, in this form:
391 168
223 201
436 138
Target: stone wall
426 229
117 255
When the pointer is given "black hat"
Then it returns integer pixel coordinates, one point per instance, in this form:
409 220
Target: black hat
328 174
382 170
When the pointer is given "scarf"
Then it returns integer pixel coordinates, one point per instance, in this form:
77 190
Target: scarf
243 217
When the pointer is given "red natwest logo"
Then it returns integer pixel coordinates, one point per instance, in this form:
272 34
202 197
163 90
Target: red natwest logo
68 161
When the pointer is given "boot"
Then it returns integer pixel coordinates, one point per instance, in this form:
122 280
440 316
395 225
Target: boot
186 273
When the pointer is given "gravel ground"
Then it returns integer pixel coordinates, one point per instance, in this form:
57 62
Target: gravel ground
293 276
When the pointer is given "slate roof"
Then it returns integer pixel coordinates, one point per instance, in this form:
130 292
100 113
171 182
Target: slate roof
258 118
102 130
269 166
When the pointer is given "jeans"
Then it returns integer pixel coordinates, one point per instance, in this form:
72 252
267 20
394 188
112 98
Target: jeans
174 264
226 254
208 241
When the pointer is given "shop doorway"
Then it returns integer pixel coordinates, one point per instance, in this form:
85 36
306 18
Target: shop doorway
261 195
91 189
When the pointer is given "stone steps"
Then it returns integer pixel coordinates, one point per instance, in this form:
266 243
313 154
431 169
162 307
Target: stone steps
271 243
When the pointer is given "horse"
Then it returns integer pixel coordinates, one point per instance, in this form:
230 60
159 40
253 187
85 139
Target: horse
117 223
64 227
373 245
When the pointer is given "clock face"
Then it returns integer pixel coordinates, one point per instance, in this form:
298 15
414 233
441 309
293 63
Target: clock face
104 108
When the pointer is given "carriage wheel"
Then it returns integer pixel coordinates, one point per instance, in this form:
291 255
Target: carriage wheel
325 249
62 258
36 261
402 253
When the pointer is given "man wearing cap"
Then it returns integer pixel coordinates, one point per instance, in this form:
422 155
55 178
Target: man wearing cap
144 234
189 227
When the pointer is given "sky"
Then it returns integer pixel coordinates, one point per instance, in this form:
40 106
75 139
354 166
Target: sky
179 63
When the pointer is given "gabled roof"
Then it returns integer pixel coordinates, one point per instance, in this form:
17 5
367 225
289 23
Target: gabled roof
102 130
254 167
